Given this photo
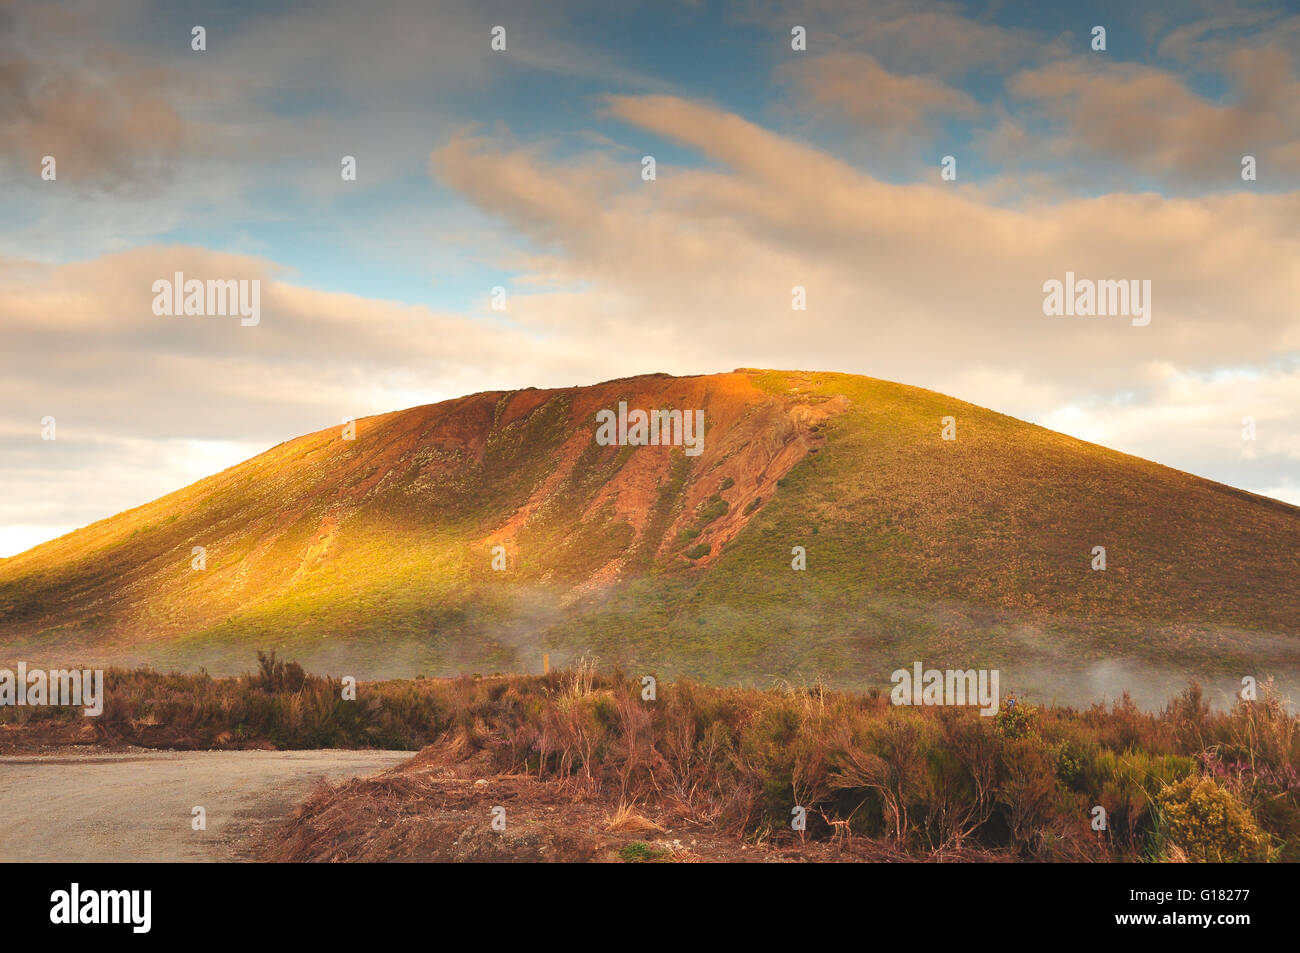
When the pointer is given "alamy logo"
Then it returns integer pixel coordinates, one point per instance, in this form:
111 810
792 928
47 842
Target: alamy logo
134 907
1086 297
953 687
655 428
213 298
84 688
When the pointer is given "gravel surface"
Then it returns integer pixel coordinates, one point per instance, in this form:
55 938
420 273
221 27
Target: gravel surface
137 806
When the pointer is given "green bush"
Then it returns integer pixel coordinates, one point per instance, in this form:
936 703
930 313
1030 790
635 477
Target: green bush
1015 719
639 852
1204 822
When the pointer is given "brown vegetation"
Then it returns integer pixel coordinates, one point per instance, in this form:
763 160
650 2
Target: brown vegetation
585 765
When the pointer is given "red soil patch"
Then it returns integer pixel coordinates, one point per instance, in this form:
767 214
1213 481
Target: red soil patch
751 439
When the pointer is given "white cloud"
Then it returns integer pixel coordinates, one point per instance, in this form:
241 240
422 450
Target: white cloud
692 273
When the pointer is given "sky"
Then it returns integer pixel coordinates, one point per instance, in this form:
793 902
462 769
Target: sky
522 169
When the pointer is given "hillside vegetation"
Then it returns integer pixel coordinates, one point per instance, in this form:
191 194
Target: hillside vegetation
374 556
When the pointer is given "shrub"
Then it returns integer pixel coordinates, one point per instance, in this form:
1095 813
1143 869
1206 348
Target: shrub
278 676
714 507
639 852
1016 719
1027 793
1205 822
1069 764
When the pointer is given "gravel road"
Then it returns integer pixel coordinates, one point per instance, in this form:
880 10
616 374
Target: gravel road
87 807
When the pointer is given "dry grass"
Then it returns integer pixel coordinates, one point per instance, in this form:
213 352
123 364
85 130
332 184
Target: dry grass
628 820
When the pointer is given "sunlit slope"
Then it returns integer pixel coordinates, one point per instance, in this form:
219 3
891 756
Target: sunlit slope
377 553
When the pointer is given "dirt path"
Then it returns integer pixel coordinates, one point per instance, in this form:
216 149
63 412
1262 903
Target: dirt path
85 807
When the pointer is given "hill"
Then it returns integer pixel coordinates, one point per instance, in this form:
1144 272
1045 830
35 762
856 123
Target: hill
374 556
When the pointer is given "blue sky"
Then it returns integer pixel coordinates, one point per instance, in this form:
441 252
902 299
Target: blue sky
521 169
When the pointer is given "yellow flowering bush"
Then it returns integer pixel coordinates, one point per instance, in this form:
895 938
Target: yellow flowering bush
1206 822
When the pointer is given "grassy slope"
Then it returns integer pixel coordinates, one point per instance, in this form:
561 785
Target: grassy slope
374 554
976 551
